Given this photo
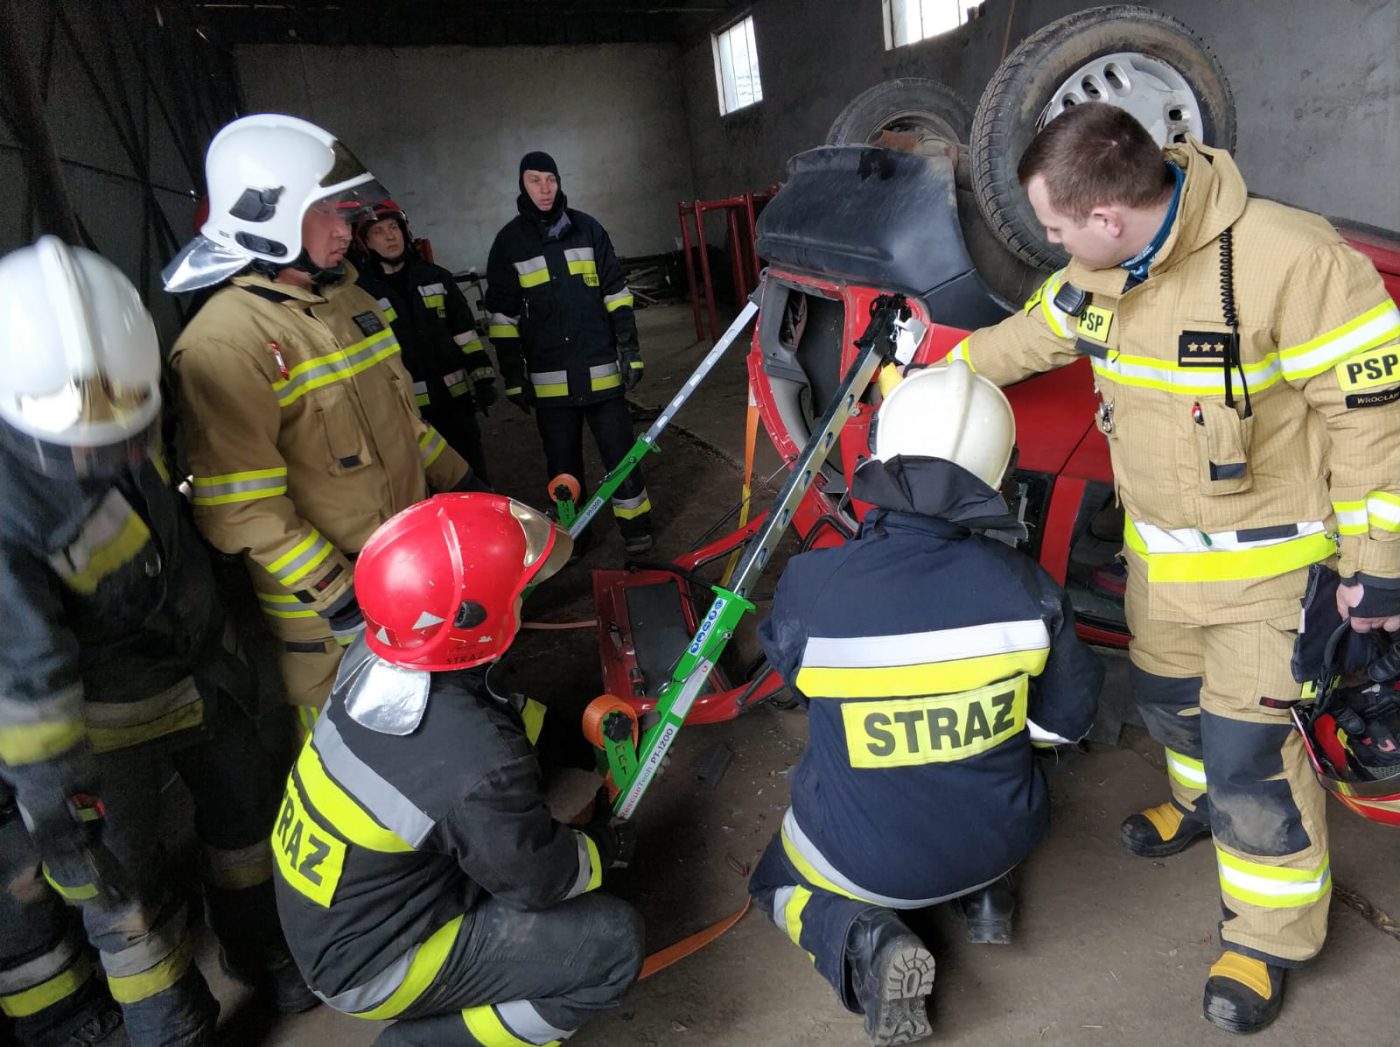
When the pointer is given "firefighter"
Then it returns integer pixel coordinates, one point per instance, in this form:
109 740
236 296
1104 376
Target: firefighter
566 337
421 876
299 422
452 375
117 668
1244 359
911 697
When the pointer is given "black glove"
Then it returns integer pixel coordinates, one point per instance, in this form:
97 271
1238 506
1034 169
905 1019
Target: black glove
523 396
630 360
485 395
615 839
470 483
345 618
66 825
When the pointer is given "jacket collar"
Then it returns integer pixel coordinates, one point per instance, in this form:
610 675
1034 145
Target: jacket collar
936 490
1212 199
292 292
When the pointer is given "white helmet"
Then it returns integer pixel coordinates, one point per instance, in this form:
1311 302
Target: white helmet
951 413
79 360
264 172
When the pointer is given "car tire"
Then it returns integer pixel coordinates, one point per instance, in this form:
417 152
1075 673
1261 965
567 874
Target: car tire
1141 59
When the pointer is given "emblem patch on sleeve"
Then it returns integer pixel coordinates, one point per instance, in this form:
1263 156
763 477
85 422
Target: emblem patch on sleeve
1201 348
1368 370
369 323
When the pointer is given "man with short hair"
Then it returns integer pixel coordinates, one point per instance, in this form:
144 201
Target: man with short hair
452 375
1236 346
561 311
299 421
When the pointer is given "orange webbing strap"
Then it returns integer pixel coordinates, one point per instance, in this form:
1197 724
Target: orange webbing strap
659 961
750 446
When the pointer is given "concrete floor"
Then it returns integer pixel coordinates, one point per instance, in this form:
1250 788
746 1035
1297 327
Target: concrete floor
1110 950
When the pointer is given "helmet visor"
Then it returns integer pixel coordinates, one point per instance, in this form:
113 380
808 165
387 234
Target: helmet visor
203 263
539 531
90 404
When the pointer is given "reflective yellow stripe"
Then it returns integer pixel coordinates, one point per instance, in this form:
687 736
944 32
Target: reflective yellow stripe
346 817
792 914
335 367
434 301
811 873
1146 372
284 605
503 331
611 381
539 276
961 352
240 487
1351 517
1057 319
133 988
1188 771
430 446
390 313
1230 565
26 743
80 892
947 677
632 512
310 551
106 559
31 1001
108 739
486 1027
595 865
552 389
1272 886
533 714
583 268
623 302
1372 328
422 969
1383 510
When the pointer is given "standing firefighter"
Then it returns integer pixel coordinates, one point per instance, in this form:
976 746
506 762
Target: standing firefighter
117 668
452 375
300 426
1242 355
566 337
421 876
919 784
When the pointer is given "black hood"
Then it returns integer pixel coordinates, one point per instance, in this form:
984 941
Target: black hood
539 161
937 488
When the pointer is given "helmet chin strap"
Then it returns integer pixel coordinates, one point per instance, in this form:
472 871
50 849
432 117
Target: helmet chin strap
318 274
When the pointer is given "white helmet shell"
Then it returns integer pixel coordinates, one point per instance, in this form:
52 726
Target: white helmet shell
948 412
264 172
80 361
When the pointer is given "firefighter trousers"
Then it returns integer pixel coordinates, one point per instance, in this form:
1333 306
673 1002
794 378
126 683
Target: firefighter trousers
144 942
1218 698
523 979
458 425
561 429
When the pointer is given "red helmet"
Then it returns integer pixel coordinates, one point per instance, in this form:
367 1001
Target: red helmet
382 210
438 583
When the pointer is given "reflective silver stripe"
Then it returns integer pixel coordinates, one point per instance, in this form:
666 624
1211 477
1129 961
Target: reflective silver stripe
420 388
208 492
306 554
630 503
602 370
531 265
132 714
101 531
427 289
455 377
63 706
805 847
1189 540
781 897
469 338
579 254
336 366
974 641
505 321
41 968
252 863
154 945
368 995
384 305
521 1018
549 377
626 292
585 866
395 811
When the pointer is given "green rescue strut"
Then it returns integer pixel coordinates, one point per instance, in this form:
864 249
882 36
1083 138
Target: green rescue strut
633 774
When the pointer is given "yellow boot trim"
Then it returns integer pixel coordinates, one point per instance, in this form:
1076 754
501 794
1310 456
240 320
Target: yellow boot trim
1251 973
1165 818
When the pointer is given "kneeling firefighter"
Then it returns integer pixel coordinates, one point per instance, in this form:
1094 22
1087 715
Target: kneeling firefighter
930 657
421 876
117 669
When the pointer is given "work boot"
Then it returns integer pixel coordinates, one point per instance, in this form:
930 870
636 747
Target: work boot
892 975
277 981
1243 994
639 544
1165 829
988 912
101 1030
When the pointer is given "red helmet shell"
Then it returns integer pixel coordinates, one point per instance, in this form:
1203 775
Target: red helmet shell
382 210
438 582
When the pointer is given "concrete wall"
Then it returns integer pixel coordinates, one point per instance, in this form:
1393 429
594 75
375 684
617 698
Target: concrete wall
444 129
1316 83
